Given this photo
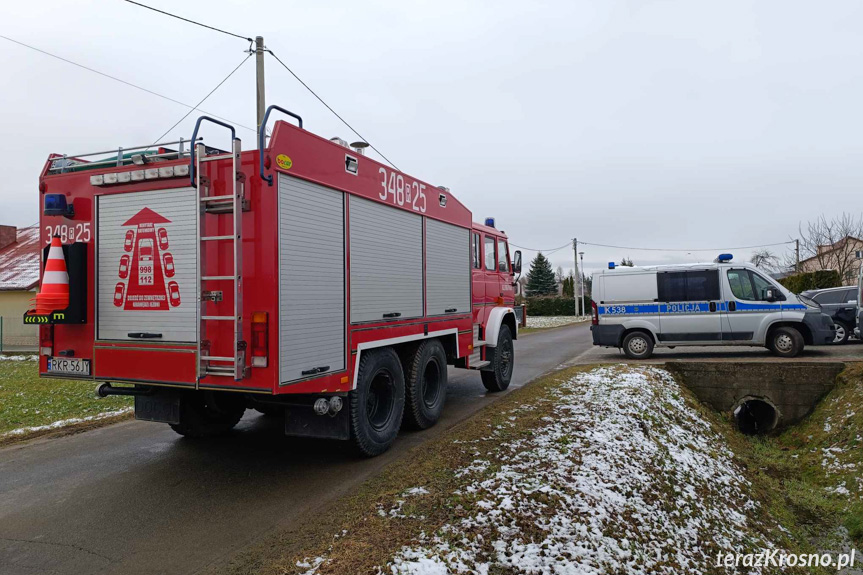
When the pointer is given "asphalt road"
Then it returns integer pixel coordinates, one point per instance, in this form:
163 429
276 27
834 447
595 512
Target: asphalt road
137 498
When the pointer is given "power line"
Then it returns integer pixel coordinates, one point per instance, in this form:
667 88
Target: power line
685 250
321 100
130 84
190 21
219 85
547 252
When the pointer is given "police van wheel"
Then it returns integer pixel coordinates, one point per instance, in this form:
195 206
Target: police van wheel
425 386
378 402
638 345
498 376
786 342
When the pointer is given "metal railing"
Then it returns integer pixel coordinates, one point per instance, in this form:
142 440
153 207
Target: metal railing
70 162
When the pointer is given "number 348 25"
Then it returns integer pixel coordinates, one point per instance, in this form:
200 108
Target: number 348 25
69 234
402 192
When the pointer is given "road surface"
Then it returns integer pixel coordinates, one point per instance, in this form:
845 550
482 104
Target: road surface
136 498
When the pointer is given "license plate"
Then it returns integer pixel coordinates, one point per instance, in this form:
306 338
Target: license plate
74 366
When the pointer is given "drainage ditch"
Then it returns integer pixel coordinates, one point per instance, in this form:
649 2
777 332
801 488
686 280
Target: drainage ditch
762 397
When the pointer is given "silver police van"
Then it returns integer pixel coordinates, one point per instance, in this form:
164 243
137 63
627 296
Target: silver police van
719 303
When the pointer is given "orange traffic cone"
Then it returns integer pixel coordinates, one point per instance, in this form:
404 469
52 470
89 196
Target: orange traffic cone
54 293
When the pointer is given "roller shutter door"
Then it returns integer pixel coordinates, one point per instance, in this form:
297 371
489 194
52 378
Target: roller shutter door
148 266
386 262
311 279
447 268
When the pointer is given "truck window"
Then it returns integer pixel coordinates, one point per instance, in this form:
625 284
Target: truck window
741 286
502 257
489 253
475 250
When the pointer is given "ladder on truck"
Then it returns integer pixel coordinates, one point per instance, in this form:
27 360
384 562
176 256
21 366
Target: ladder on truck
212 208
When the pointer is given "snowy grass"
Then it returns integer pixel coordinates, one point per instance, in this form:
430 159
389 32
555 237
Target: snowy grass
31 405
549 321
609 470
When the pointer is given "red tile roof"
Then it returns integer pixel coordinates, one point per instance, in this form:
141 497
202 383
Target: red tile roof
19 262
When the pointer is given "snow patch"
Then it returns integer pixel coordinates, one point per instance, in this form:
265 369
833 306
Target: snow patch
543 321
66 422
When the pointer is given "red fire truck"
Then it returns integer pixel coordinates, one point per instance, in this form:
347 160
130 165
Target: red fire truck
302 279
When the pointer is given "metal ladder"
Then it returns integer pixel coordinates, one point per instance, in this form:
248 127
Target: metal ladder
475 360
215 205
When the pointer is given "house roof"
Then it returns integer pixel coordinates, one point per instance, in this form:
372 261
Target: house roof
826 249
20 262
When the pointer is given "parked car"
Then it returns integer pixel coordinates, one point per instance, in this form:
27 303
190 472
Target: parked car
841 305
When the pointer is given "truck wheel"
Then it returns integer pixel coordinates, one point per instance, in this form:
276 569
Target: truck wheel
498 375
638 345
378 401
209 414
425 388
786 342
842 333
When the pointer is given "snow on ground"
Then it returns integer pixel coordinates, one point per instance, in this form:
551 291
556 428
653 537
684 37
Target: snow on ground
18 357
66 422
624 477
541 321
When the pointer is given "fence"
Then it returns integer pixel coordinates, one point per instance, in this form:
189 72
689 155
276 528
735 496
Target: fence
15 336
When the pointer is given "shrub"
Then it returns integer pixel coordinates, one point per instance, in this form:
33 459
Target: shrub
553 305
820 279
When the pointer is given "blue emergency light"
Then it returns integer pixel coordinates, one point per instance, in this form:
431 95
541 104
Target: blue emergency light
723 258
55 205
489 222
611 265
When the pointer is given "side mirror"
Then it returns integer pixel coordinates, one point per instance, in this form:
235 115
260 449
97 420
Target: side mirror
516 262
769 294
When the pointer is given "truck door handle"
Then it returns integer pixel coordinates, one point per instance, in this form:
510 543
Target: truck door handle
315 370
732 306
713 306
451 310
393 314
144 335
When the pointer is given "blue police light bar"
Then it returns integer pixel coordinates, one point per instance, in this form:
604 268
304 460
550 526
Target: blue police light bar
724 258
611 265
489 222
55 205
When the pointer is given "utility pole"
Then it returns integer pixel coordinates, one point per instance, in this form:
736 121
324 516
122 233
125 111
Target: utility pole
575 275
259 76
797 256
581 256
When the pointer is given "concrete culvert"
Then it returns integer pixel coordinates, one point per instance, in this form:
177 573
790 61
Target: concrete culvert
755 416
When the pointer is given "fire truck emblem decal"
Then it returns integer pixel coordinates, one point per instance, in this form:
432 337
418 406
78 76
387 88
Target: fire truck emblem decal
143 284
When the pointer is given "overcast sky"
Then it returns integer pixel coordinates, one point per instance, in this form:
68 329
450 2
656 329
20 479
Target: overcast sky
635 123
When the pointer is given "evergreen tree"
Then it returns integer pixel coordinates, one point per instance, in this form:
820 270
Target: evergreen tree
626 262
569 286
540 278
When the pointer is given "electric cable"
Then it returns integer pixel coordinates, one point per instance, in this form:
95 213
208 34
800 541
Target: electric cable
321 100
130 84
210 93
195 22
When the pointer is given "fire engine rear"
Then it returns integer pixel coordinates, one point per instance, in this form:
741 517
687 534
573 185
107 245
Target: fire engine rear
301 279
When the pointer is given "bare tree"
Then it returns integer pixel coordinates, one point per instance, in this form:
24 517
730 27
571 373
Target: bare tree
765 260
558 275
627 262
831 244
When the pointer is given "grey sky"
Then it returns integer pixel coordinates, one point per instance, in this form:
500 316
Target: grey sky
659 124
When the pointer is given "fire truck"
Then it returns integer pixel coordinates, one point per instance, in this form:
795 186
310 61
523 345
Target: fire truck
302 279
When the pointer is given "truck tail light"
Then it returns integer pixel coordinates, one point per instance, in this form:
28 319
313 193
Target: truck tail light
46 340
260 339
594 313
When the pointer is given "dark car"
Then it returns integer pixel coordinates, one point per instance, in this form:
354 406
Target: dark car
841 305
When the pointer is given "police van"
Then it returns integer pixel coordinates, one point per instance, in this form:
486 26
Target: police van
719 303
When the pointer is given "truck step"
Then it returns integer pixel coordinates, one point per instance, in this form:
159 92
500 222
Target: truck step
480 364
478 343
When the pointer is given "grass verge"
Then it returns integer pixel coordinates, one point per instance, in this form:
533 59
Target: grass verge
366 529
31 406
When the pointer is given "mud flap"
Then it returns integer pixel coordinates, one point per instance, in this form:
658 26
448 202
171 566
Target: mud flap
161 407
301 421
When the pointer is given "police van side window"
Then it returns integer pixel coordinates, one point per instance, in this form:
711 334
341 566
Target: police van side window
761 286
688 286
740 284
